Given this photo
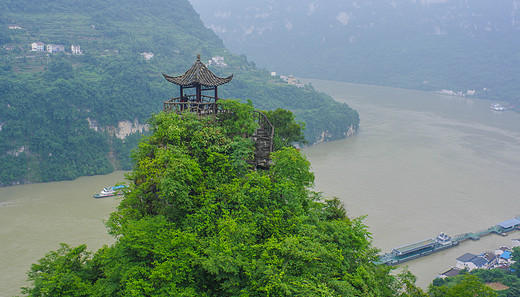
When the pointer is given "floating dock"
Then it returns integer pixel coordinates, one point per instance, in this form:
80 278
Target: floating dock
441 242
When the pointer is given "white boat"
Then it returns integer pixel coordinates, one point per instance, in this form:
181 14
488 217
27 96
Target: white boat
443 239
497 107
110 191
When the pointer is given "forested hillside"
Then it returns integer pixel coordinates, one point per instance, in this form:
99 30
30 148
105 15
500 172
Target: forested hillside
197 221
430 44
60 111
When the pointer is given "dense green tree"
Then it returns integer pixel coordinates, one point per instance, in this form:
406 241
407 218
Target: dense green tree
59 68
65 272
195 222
469 285
287 130
406 285
516 258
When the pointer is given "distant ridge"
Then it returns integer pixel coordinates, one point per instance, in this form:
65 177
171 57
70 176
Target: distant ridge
429 45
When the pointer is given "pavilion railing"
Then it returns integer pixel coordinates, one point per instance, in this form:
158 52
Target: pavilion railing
207 105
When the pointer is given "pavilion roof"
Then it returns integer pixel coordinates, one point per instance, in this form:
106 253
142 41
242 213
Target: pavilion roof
198 74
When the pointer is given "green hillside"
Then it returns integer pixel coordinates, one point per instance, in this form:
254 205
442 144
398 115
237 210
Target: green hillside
60 111
196 221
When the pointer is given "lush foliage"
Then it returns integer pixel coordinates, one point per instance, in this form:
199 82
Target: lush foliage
287 130
48 102
196 221
46 133
64 272
468 285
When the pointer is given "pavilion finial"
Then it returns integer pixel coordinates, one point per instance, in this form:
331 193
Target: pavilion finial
198 57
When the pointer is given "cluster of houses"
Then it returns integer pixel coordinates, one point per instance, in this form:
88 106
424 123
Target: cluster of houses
500 258
54 48
217 61
290 80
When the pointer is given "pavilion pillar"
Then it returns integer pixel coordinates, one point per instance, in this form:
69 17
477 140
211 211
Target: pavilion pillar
199 93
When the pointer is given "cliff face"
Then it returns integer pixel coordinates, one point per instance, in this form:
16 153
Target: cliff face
122 130
328 136
351 131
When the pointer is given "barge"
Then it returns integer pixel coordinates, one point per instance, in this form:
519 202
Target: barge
441 242
418 249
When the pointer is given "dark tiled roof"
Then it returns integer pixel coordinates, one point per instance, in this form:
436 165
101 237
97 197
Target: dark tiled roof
466 257
198 74
490 256
479 261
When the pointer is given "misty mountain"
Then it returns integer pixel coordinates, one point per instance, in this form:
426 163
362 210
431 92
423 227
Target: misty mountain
428 44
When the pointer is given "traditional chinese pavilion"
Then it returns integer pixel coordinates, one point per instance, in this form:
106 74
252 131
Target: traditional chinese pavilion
202 80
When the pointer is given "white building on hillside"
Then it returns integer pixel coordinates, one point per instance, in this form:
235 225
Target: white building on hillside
217 61
75 49
37 47
147 55
54 48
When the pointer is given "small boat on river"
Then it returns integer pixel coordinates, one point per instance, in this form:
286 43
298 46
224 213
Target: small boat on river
497 107
110 191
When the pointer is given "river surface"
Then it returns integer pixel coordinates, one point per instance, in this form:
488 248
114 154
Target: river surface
423 163
36 218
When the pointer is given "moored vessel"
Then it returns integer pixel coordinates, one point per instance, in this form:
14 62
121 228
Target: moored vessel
110 191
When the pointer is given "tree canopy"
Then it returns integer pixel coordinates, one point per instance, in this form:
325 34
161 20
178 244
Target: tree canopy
197 220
